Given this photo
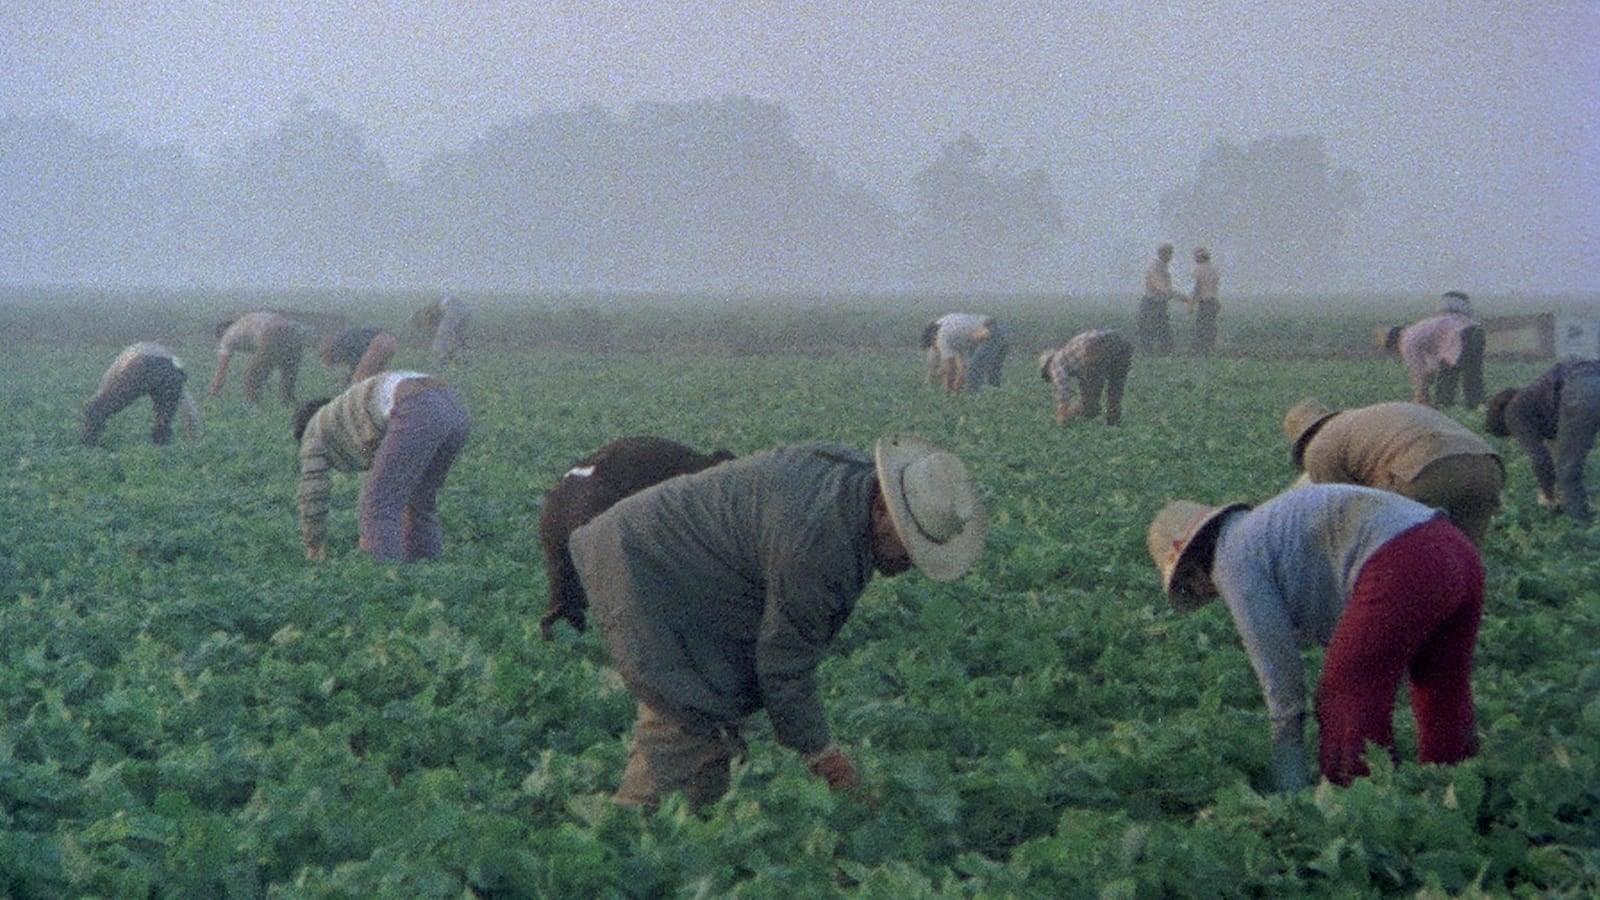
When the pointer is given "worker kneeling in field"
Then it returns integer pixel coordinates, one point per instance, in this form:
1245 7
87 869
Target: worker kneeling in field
718 593
1098 360
406 429
1560 411
276 342
143 369
593 484
1412 450
965 351
363 351
1388 585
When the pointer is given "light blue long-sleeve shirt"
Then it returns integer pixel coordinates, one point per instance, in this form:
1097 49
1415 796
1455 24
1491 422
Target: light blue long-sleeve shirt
1287 568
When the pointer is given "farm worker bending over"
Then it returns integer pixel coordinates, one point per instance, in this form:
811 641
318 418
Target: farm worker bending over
718 593
593 484
1413 450
1096 358
364 351
957 358
276 341
406 428
444 324
1455 302
143 369
1155 329
1447 347
1559 411
1207 284
1389 586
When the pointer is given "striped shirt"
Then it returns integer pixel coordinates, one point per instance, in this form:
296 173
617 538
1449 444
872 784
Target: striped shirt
345 435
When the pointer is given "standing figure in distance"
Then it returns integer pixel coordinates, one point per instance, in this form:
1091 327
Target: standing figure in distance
1559 411
404 429
593 485
1155 328
364 352
1389 586
275 340
1207 284
143 369
444 325
1097 359
1413 450
718 594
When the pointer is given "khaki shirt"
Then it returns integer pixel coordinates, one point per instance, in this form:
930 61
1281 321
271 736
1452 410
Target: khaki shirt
1157 280
1207 281
1387 445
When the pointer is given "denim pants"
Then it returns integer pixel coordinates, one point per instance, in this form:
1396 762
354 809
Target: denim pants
399 511
1577 421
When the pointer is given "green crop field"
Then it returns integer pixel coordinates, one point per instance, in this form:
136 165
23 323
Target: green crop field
189 709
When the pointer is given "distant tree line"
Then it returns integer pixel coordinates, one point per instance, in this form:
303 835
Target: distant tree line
710 195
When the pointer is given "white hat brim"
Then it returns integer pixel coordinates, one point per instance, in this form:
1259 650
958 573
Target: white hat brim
940 561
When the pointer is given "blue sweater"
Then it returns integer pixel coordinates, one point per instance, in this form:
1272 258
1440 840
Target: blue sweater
1287 568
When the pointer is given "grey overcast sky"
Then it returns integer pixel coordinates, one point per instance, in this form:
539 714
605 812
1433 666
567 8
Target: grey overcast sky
1475 126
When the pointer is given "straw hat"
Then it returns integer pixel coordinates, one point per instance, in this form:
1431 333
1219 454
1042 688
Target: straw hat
1300 425
933 503
1182 537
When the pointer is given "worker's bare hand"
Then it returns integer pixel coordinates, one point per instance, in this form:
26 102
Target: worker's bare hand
831 765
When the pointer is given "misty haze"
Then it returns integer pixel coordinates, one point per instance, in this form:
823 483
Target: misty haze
1023 149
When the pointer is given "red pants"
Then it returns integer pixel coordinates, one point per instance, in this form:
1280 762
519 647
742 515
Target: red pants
1414 610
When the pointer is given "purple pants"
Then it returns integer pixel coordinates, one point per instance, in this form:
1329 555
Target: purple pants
399 513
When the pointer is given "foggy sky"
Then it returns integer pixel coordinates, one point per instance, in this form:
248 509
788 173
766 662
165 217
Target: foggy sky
1475 126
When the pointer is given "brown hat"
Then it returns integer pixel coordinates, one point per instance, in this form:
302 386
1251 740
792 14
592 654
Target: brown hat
1300 425
1182 537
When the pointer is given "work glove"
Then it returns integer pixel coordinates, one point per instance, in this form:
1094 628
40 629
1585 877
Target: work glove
1548 502
1289 764
831 765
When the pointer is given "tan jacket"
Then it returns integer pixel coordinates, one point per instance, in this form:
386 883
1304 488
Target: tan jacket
1387 445
1207 282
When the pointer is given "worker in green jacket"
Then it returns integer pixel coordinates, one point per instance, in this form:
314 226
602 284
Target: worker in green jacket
717 594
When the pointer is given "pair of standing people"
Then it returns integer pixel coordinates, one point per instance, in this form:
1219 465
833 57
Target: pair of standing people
1155 327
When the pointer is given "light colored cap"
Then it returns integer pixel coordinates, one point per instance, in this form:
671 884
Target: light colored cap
1181 538
933 503
1300 425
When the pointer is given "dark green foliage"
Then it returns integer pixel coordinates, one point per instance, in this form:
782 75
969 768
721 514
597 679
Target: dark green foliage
187 708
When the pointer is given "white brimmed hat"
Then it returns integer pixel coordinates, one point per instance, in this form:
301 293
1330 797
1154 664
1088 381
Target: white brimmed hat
1177 535
933 503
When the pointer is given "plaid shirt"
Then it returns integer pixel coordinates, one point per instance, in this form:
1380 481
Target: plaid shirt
1071 360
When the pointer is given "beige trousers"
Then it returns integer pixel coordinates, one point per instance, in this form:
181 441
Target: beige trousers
669 756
